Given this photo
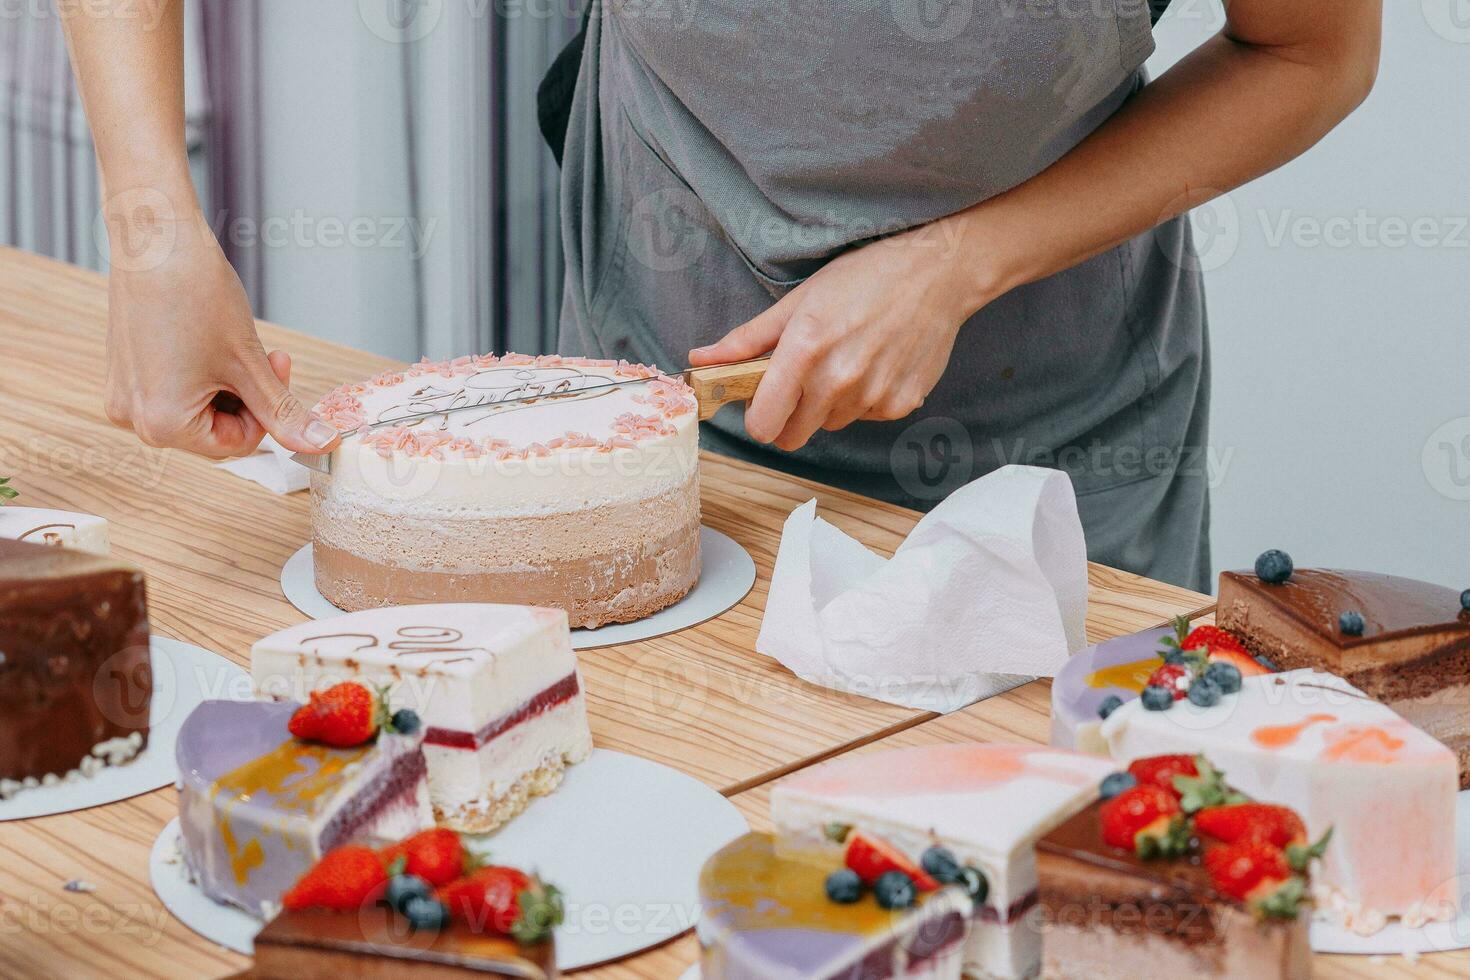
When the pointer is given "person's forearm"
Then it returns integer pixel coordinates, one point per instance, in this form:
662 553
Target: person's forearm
1230 112
130 70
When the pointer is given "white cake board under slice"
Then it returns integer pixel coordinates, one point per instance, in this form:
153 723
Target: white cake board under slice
726 574
623 838
183 675
1394 938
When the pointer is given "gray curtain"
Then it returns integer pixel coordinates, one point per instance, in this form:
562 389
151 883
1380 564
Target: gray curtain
306 118
48 181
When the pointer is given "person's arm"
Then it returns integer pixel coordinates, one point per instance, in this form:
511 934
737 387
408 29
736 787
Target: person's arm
180 329
869 335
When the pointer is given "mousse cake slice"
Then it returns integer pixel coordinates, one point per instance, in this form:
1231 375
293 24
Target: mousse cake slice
375 944
497 688
76 680
1112 914
258 806
1404 642
983 805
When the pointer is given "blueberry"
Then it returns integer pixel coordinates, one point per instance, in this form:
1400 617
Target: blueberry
1175 657
1465 600
895 890
1227 676
425 913
976 885
1273 567
1116 782
940 864
405 721
1109 704
1205 693
401 888
1351 623
1269 664
844 886
1156 698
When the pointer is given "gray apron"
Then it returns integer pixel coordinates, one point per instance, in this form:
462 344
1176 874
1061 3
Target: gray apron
720 152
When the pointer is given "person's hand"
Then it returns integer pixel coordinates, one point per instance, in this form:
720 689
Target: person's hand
181 341
867 337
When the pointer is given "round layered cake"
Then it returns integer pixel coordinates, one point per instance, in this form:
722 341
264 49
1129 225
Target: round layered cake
450 486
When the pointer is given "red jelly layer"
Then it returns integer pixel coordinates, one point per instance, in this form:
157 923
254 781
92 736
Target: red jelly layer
563 690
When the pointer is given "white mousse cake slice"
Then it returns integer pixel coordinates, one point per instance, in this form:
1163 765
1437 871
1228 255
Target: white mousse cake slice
496 686
1313 742
258 807
987 805
61 528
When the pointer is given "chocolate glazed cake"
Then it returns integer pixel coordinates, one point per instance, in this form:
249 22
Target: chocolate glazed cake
1110 916
76 681
373 945
1404 642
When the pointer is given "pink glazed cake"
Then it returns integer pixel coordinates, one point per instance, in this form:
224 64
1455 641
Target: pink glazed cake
588 503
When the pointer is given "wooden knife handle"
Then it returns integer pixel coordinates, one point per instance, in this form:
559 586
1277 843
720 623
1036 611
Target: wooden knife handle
721 384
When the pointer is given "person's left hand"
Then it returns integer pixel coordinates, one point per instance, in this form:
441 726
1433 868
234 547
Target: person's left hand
867 337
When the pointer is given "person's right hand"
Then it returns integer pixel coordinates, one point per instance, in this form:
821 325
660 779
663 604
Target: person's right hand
180 333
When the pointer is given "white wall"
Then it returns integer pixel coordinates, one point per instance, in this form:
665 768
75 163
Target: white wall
1342 350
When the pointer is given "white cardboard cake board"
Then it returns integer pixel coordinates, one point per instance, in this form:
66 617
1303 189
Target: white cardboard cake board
629 877
726 574
1394 939
183 675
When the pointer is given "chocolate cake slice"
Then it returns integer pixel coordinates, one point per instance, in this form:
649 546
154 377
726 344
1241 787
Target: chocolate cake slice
1112 915
1404 642
258 807
374 944
76 681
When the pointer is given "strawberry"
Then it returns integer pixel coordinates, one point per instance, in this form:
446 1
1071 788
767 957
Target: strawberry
1145 820
1172 677
1160 770
343 715
1256 872
437 856
871 857
1247 665
1214 639
1276 825
343 881
506 901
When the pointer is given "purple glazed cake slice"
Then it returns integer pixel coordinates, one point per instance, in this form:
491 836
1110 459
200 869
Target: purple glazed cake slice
764 914
1117 668
258 807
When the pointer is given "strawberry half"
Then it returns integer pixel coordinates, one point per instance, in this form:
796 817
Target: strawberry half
1247 665
1214 640
1172 677
437 856
1276 825
1257 873
343 715
343 881
871 857
506 901
1160 770
1146 820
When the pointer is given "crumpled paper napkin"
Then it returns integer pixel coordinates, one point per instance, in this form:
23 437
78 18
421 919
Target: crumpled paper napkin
272 467
988 591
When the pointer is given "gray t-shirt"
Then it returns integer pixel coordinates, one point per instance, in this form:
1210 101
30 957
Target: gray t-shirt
719 152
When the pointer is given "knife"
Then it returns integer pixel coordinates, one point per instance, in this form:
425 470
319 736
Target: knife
714 387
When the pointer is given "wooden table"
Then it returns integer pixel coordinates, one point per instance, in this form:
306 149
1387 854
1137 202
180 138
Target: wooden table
212 546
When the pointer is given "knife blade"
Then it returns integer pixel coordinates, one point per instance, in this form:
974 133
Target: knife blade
714 387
